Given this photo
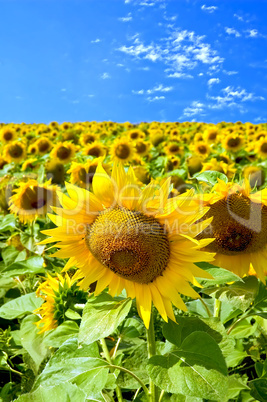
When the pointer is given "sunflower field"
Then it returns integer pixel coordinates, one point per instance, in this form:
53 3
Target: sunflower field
133 262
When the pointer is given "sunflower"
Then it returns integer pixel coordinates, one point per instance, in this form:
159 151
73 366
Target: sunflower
142 174
122 150
255 174
95 149
156 136
194 164
233 142
87 138
7 135
261 148
175 161
135 134
43 145
55 171
3 162
142 148
220 166
32 200
173 148
14 152
30 164
32 149
59 294
239 227
82 173
259 135
63 152
211 135
132 239
201 148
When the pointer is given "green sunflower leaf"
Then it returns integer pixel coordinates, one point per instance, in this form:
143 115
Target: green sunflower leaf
80 365
259 389
32 341
196 369
101 316
58 336
62 392
210 177
240 294
8 223
20 306
33 265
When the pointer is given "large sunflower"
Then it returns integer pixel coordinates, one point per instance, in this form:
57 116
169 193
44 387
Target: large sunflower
32 200
127 238
239 227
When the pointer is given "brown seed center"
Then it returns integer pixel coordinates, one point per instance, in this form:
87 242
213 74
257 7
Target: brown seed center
132 245
238 226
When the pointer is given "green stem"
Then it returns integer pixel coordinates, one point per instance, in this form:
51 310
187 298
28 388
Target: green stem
161 395
217 308
108 358
151 348
206 307
245 315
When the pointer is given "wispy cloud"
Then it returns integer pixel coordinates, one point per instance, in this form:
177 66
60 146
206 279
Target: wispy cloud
127 18
213 81
253 33
156 88
231 96
97 40
209 9
239 17
196 108
181 51
159 88
180 75
105 76
155 98
232 31
229 72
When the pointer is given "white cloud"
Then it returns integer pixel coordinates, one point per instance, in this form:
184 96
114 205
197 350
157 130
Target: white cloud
195 108
159 88
141 92
239 17
126 19
105 76
253 33
180 75
213 81
229 72
97 40
156 88
209 9
232 31
232 97
181 51
155 98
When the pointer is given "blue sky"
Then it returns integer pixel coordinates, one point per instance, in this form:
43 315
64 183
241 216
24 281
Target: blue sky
133 60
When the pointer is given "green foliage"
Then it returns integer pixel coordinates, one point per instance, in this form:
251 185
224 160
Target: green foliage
216 351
